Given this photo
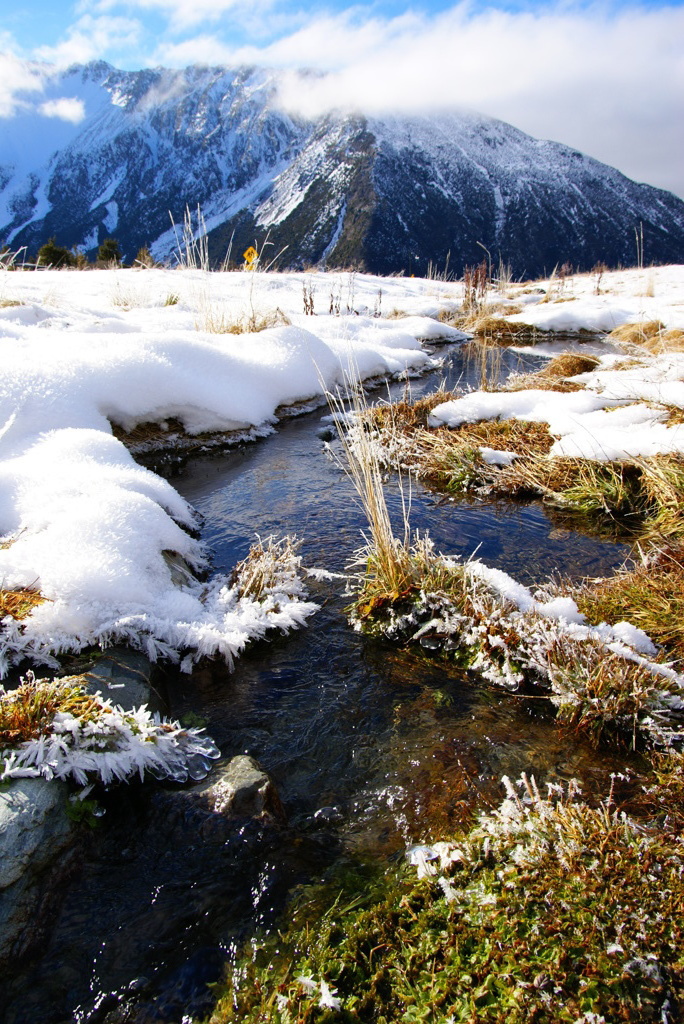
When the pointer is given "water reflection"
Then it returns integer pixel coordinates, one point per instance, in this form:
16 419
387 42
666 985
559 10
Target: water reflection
373 748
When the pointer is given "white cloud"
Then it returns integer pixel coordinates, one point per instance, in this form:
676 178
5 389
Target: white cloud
17 79
608 82
91 38
181 14
66 108
610 85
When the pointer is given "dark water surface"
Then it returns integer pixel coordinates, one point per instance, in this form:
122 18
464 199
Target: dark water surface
372 747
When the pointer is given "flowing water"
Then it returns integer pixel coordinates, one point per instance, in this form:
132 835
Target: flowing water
372 747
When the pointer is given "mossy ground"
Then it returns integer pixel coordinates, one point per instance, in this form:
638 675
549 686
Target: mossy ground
544 911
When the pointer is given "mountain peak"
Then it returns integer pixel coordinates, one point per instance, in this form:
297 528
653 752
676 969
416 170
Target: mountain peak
386 194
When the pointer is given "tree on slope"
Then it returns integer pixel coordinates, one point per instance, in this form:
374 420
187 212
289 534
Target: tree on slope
53 255
109 252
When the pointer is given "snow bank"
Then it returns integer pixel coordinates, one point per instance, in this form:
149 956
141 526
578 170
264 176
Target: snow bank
608 421
79 520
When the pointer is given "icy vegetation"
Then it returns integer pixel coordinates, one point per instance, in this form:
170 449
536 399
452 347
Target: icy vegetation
55 730
98 536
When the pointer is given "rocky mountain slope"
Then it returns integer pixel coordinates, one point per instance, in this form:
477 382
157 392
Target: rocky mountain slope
386 195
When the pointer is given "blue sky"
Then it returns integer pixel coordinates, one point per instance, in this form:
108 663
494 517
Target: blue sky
604 77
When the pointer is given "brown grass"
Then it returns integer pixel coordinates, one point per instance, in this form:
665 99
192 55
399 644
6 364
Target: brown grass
27 712
648 594
7 303
668 341
555 375
266 566
522 437
216 322
651 335
408 416
498 329
19 603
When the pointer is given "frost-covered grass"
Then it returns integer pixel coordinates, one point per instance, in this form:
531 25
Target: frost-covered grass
547 910
95 361
607 680
55 729
648 593
18 603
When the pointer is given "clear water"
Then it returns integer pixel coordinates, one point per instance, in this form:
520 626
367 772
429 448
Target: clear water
372 747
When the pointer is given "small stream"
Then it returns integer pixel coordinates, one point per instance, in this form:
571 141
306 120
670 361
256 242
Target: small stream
372 747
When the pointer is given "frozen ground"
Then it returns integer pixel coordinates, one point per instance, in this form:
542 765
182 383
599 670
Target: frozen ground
85 525
628 398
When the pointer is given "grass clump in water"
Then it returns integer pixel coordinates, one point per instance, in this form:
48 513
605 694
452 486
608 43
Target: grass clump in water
640 495
600 678
555 376
271 567
548 910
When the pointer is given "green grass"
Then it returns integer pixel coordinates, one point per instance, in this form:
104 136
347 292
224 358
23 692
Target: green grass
548 911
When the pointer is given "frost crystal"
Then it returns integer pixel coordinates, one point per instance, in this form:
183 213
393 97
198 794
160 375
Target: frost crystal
110 744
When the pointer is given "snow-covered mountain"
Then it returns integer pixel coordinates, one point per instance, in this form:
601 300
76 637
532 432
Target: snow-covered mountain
384 194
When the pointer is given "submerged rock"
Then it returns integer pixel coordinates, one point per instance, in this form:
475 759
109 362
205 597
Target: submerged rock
125 675
241 789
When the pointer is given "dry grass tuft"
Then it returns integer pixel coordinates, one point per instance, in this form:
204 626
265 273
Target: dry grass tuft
405 415
9 303
218 322
667 341
498 329
19 603
651 335
555 375
27 712
267 567
570 364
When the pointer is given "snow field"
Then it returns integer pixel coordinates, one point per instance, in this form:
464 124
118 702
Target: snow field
85 525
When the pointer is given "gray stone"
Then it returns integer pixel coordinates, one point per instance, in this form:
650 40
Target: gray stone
181 573
36 838
124 675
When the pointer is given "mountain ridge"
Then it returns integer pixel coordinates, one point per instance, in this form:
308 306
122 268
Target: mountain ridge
385 194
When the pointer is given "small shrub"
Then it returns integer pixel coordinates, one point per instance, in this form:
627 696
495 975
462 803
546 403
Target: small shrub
109 252
143 258
53 255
